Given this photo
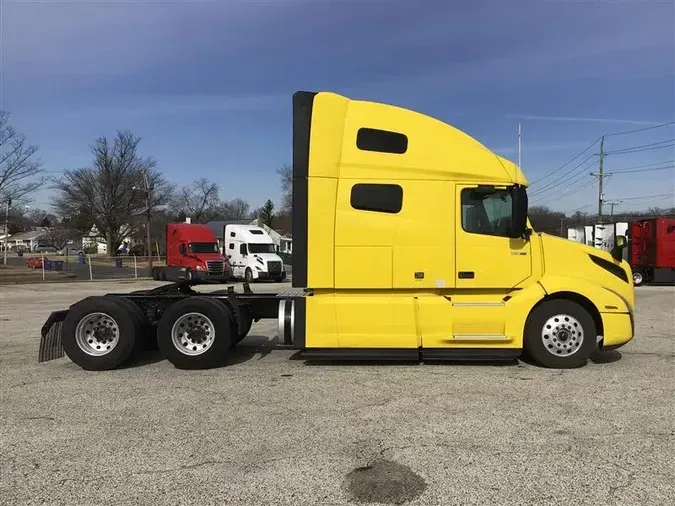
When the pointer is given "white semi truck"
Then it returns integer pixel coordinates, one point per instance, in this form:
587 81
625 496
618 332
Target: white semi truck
252 253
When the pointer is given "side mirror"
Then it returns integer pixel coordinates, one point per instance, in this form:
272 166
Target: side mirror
182 249
619 245
519 204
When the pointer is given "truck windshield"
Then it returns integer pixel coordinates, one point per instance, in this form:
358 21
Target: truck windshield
204 247
261 248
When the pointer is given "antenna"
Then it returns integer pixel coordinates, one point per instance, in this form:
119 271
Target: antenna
519 144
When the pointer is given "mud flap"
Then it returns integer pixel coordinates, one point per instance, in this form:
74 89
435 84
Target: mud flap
50 341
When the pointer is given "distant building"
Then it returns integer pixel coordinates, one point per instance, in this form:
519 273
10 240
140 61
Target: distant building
25 241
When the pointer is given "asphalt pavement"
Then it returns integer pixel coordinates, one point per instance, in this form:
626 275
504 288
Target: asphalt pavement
269 429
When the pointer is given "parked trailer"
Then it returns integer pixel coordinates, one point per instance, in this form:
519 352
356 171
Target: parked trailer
652 248
411 241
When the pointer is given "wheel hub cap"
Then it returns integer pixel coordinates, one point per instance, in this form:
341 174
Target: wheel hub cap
193 334
562 335
97 334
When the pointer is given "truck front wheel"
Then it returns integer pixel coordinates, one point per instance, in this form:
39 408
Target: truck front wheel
248 275
560 334
195 333
638 278
100 333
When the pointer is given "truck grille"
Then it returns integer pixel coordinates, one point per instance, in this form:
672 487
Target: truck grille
215 267
274 267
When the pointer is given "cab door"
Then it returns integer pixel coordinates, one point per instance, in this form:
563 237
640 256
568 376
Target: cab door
485 256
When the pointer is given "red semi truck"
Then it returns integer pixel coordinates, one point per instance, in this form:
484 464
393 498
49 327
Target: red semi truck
652 247
192 252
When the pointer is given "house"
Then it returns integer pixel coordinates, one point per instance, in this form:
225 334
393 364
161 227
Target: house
26 241
94 239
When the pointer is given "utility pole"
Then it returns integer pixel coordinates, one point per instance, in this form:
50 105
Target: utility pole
8 203
562 218
600 175
612 204
148 218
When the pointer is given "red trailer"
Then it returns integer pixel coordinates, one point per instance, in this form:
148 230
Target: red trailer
652 247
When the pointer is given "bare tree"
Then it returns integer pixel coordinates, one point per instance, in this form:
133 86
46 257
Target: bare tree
18 163
286 174
199 200
112 193
236 209
59 237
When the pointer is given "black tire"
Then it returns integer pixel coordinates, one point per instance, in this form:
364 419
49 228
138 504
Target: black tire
638 277
220 344
562 349
248 275
145 340
155 273
188 274
161 274
127 323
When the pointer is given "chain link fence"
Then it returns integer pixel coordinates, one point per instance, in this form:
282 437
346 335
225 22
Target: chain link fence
52 267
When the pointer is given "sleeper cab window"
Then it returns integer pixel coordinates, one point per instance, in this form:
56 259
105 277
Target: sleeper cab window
486 211
380 198
381 141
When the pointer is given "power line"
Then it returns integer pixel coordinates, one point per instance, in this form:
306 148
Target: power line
625 132
572 191
578 177
647 165
567 163
659 195
640 129
640 170
644 147
552 183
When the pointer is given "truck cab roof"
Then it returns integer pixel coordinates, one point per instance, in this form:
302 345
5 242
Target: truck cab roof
248 233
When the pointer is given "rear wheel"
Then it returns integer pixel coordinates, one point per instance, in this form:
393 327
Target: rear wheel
145 340
560 334
100 333
155 273
195 333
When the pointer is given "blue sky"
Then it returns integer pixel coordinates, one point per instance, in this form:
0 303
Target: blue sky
207 84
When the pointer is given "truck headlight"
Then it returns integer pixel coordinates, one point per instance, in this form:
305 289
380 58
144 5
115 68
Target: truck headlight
200 268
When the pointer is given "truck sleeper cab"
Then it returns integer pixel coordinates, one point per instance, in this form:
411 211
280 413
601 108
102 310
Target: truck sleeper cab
252 253
411 241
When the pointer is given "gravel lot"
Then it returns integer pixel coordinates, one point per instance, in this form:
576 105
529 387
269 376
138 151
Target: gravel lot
271 430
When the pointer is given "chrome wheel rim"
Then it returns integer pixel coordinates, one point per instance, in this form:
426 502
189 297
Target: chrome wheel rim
562 335
637 278
193 334
97 334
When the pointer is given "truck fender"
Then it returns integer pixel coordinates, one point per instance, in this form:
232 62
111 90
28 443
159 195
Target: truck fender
602 299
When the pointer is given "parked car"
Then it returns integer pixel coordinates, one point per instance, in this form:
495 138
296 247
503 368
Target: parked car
35 262
43 248
70 251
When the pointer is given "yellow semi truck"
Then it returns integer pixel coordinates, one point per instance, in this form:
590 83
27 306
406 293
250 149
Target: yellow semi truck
411 242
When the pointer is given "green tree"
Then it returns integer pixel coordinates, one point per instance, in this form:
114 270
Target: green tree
266 215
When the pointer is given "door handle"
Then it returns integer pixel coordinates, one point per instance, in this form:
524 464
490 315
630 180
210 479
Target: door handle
466 275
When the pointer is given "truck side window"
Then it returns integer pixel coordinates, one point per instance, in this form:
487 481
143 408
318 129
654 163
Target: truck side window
182 249
381 198
381 141
486 212
243 250
231 246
